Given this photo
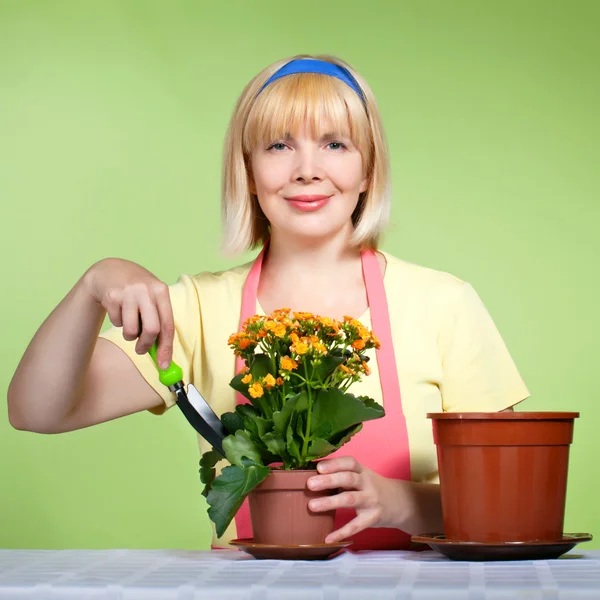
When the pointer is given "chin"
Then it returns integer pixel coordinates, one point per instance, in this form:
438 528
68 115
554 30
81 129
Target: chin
311 232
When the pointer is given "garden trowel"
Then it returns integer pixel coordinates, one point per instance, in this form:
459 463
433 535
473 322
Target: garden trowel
195 408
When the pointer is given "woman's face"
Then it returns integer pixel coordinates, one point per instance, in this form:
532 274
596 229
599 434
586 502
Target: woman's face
308 188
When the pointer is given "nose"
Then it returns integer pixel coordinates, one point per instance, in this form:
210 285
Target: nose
307 167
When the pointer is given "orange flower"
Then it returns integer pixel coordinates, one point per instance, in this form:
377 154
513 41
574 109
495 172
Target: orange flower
279 381
245 342
327 322
375 341
358 344
319 347
353 322
304 316
294 337
363 332
287 364
270 325
280 330
366 368
256 390
345 369
300 348
247 379
269 381
251 320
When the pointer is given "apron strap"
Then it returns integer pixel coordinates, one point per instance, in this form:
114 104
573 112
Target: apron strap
380 322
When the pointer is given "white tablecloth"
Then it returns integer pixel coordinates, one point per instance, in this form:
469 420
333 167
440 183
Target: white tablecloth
224 574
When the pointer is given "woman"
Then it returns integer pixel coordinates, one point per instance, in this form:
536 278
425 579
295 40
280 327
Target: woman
306 175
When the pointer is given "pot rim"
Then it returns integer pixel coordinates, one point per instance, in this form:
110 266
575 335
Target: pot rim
277 470
503 416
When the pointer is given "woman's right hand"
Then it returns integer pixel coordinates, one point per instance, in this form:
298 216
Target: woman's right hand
137 301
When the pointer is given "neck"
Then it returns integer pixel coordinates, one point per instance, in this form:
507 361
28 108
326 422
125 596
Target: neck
293 255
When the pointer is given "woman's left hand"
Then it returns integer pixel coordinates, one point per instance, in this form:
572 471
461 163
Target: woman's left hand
378 501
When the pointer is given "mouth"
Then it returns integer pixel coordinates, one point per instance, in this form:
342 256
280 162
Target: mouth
308 203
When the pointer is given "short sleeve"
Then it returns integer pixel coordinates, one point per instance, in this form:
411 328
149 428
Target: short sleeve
479 374
186 314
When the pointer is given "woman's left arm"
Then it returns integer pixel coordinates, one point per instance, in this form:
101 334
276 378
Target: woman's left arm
379 501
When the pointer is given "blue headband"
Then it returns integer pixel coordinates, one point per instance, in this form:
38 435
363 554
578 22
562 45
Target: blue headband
311 65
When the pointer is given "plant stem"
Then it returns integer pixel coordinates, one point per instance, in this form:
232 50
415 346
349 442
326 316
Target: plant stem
308 417
274 367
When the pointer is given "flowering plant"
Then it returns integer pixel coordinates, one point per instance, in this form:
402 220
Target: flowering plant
298 369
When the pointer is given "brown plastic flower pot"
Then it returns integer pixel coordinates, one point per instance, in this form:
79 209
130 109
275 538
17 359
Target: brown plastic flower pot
503 475
279 510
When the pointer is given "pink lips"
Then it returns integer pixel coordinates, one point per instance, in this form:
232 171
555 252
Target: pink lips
308 203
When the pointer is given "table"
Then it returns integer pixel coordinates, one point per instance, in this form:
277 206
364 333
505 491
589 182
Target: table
231 574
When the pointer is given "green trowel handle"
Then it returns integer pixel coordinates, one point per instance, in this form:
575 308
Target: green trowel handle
169 376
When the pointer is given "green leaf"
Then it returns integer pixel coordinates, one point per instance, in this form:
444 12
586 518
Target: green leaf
370 403
246 412
207 469
346 435
229 490
242 388
239 446
263 426
319 448
322 430
256 425
292 444
281 418
261 366
232 422
327 366
300 426
341 410
275 443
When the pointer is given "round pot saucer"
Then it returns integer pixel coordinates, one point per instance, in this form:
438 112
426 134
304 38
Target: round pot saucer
478 551
290 551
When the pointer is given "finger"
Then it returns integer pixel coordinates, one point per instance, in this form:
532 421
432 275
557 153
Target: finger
341 463
112 302
130 317
348 480
164 351
353 499
359 523
150 326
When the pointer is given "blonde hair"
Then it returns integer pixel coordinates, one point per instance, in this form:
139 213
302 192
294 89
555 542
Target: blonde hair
287 105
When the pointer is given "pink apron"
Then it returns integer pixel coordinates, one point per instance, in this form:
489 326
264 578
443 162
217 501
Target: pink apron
382 444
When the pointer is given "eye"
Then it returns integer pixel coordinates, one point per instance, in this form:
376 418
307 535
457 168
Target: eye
336 146
277 146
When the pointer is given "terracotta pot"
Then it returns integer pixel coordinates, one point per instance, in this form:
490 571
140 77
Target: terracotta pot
503 475
279 510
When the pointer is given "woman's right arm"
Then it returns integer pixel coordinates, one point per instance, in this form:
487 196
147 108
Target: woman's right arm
68 378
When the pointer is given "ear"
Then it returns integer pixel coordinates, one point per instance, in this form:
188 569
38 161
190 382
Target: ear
364 185
251 184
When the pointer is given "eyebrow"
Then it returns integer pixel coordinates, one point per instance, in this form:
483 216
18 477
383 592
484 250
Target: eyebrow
326 137
332 136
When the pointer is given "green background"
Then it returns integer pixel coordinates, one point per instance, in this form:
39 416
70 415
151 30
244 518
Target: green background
112 118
